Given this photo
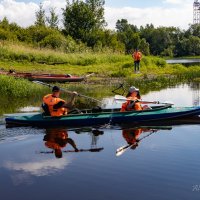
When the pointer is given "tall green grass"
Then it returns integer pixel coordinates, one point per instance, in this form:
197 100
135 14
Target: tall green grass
11 87
110 65
21 53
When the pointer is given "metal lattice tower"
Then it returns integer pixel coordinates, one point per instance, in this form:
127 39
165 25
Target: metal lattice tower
196 12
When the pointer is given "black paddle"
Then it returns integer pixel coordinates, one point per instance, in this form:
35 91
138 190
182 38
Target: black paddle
120 86
72 151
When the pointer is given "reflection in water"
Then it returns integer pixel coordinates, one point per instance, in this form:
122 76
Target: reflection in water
156 152
195 93
28 163
133 137
38 168
95 136
57 139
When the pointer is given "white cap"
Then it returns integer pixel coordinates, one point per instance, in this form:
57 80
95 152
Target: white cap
133 89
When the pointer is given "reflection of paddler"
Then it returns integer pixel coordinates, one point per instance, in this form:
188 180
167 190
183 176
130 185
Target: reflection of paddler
131 136
57 139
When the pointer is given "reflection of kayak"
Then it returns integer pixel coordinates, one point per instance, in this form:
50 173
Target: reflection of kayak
190 120
87 119
46 77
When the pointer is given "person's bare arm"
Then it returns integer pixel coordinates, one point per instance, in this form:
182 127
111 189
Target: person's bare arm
72 143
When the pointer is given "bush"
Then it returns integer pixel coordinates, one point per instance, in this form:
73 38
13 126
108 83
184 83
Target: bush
54 41
7 35
127 65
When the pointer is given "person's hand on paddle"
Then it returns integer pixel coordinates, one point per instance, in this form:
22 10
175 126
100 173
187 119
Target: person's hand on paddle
74 93
76 150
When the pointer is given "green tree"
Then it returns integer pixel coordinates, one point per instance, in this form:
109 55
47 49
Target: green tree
144 47
8 31
40 16
159 38
110 41
38 33
97 7
194 30
53 20
123 26
128 34
81 19
4 24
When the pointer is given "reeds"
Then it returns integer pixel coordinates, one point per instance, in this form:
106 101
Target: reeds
11 87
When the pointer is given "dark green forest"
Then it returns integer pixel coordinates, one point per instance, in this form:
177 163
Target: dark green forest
84 29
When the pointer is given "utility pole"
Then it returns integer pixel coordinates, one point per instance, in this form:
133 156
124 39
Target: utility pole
196 12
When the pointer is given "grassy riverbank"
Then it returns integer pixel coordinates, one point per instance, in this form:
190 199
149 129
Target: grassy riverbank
27 59
109 69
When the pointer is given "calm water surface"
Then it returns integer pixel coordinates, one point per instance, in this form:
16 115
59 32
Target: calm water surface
164 164
184 61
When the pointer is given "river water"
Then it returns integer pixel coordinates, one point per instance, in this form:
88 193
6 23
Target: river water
163 164
186 62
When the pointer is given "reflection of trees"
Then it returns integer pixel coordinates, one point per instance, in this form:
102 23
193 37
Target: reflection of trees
195 93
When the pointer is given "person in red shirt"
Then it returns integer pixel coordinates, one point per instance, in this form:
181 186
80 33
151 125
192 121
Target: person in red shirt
137 56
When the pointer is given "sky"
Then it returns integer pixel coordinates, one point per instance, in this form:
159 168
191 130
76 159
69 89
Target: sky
177 13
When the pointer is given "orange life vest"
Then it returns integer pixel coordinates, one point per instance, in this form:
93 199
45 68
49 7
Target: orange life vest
126 107
53 135
51 101
131 135
52 145
137 56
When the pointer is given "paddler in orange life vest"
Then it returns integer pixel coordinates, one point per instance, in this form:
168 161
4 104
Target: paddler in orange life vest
55 106
133 101
57 139
137 56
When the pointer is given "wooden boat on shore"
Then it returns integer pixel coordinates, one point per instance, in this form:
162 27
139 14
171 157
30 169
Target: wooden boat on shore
44 77
90 118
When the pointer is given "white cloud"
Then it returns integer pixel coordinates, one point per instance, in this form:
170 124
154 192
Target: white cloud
39 168
19 12
180 2
24 13
179 15
155 15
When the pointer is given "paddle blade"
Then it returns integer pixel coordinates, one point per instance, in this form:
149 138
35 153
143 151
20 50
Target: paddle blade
168 102
121 150
119 98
